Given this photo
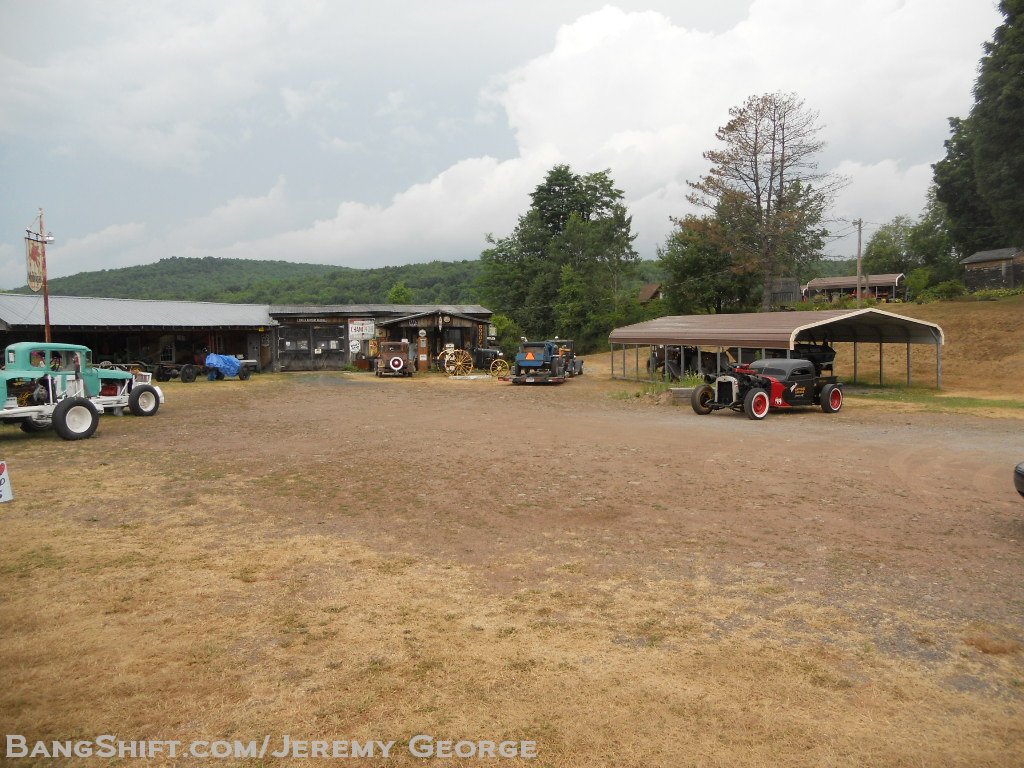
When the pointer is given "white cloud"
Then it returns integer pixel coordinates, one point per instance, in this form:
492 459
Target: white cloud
640 95
323 93
112 246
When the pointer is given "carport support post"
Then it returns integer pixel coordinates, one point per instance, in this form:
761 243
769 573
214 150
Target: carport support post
637 347
938 364
718 361
855 362
908 363
881 367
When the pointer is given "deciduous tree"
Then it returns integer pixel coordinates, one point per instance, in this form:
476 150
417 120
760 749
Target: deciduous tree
566 267
765 187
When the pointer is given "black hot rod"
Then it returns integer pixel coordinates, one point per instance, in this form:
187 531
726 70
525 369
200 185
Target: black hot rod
757 387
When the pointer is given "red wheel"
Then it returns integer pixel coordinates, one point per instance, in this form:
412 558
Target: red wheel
756 404
831 398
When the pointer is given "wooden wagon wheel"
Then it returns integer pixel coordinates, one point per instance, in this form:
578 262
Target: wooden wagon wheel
499 368
445 359
460 363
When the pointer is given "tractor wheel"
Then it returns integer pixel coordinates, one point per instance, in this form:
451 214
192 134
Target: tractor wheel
701 399
831 398
244 373
499 368
188 373
143 400
75 418
31 426
756 404
161 374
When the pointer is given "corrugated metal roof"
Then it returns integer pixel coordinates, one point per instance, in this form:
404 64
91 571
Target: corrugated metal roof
999 254
779 330
74 311
378 309
866 281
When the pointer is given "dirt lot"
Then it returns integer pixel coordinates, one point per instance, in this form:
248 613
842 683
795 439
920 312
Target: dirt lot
332 556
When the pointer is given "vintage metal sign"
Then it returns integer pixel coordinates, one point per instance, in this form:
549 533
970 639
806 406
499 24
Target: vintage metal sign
361 330
36 263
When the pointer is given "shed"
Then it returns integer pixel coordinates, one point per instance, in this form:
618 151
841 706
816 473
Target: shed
754 334
1000 268
336 335
885 287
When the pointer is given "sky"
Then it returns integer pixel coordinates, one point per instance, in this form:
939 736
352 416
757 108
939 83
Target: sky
370 134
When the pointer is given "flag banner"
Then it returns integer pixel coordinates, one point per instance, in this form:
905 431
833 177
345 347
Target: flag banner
36 263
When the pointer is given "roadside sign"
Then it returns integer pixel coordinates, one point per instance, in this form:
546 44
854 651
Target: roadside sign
6 491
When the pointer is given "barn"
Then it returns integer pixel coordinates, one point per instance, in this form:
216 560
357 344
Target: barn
1001 268
277 337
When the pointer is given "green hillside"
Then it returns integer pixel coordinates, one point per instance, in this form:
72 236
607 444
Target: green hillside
272 282
243 281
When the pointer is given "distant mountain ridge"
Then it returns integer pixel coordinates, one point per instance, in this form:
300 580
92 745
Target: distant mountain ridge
245 281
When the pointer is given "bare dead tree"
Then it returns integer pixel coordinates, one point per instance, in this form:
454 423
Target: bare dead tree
765 187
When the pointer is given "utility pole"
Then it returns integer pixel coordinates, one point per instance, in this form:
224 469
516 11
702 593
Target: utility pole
860 227
35 246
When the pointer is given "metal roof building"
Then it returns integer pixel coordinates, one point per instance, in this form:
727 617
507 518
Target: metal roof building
758 332
20 311
888 286
287 337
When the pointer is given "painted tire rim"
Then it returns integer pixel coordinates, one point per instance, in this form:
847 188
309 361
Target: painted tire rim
835 399
79 419
395 363
760 404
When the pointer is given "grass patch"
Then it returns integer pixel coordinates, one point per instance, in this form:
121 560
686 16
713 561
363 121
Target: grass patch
930 399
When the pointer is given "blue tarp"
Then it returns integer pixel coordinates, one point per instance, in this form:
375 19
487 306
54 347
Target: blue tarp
230 366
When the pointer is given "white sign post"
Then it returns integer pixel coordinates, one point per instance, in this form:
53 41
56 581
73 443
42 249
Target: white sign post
6 491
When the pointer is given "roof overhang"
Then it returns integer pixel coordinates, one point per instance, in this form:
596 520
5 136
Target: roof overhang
781 330
434 313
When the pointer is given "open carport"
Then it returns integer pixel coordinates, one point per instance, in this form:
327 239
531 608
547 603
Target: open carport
703 341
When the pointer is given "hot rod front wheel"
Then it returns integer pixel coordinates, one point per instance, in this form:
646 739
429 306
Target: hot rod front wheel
143 400
701 399
75 418
756 404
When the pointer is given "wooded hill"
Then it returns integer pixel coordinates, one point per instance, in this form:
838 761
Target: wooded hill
245 281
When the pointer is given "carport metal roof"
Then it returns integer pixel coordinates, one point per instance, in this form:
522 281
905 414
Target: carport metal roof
780 330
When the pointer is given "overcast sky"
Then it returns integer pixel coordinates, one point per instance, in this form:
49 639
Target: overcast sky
364 134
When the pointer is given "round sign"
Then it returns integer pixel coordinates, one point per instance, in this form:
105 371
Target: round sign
423 333
353 346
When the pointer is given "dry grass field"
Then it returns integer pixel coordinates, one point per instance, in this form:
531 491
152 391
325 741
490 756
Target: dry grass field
333 556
